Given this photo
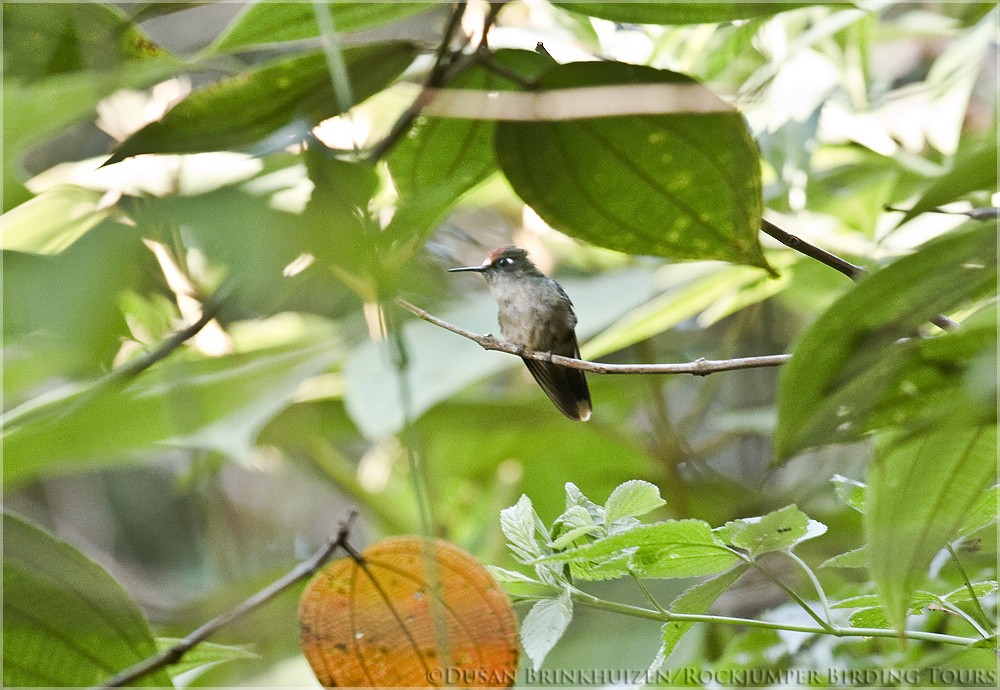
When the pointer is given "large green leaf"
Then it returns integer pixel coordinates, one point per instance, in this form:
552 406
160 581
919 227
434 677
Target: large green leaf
66 622
684 185
777 531
274 22
278 101
852 358
920 489
218 404
682 12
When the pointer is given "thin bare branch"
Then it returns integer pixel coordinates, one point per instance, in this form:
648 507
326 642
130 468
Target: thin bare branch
439 75
700 367
850 270
296 574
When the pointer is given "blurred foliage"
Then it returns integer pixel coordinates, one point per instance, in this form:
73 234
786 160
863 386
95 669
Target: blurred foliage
193 471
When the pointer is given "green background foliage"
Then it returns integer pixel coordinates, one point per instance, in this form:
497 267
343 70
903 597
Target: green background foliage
269 165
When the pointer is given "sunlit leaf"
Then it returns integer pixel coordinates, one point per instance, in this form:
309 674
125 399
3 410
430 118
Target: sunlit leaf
776 531
983 513
544 625
972 171
632 499
267 107
850 492
374 625
66 621
275 22
858 558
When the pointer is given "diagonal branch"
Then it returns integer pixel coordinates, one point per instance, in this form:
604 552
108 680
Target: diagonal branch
850 270
255 601
700 367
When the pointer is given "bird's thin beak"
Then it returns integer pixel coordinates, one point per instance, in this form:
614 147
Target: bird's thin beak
474 269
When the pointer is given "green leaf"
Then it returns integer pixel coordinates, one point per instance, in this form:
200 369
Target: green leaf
683 12
544 625
920 490
632 499
61 319
697 600
971 171
268 106
66 622
982 514
981 589
217 404
851 358
203 656
858 558
518 584
44 39
680 185
678 548
777 531
518 524
850 492
441 158
53 220
275 22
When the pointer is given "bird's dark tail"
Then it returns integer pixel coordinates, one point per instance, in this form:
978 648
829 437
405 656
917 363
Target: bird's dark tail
566 387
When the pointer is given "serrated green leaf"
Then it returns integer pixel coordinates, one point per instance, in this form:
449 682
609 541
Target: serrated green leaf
920 489
982 514
873 617
278 101
518 525
776 531
850 492
852 358
857 558
678 548
684 12
544 625
66 622
263 23
697 600
632 499
203 655
680 185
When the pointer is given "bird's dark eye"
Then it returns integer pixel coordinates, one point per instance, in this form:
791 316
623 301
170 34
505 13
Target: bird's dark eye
505 262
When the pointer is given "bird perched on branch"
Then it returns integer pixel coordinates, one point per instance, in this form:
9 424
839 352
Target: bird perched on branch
535 313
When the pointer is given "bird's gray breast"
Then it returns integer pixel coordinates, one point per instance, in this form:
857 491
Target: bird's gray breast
536 314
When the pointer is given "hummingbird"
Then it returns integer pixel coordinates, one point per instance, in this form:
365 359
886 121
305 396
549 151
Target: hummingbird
535 313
